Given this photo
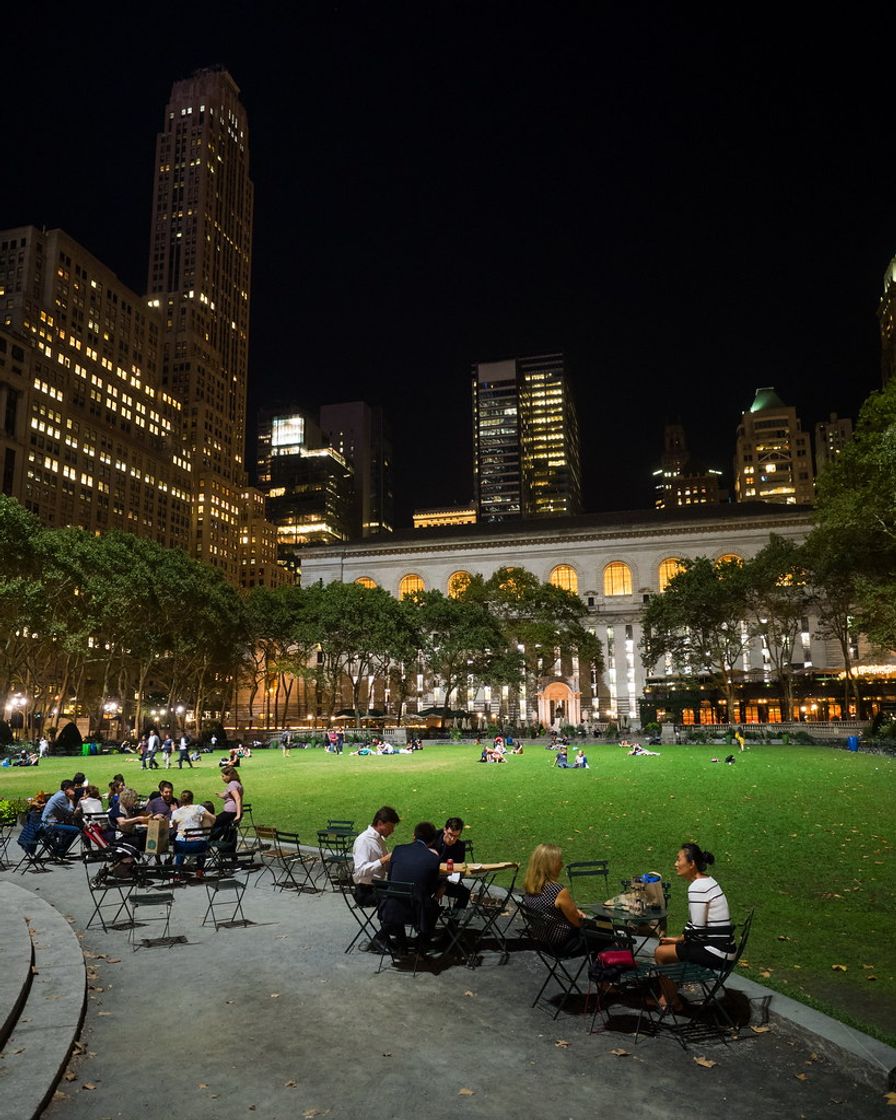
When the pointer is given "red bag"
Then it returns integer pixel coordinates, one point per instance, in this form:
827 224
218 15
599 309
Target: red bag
616 958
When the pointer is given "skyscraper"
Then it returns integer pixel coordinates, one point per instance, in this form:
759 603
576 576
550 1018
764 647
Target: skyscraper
682 479
79 355
199 277
526 458
831 436
773 461
360 433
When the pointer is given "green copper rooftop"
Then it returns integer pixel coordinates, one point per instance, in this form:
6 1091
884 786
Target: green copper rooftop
766 398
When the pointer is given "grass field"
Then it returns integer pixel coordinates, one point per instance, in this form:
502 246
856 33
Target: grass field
803 834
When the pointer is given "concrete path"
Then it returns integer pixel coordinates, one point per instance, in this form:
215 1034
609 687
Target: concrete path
275 1021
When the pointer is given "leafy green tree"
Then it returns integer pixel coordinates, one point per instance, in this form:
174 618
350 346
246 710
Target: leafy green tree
856 508
778 596
830 569
460 640
698 623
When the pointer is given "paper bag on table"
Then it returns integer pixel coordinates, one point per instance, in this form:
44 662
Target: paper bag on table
157 837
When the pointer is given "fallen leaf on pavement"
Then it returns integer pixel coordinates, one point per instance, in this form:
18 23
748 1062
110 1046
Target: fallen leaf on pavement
469 995
60 1096
760 1030
290 1085
466 1093
88 1085
275 995
801 1076
202 1085
620 1053
562 1043
707 1063
890 1098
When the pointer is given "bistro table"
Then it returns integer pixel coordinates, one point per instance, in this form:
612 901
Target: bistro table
480 916
653 920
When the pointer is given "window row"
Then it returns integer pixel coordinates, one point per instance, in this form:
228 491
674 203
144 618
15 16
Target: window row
617 578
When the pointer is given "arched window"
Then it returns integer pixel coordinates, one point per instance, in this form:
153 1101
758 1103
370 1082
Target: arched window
669 569
365 581
458 582
617 579
409 584
564 576
730 558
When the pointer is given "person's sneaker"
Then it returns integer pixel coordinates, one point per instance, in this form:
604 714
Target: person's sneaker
377 945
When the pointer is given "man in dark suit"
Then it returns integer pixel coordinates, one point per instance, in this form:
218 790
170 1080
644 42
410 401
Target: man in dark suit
450 846
418 864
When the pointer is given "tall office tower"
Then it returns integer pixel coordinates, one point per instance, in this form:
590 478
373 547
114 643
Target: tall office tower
682 479
199 271
526 458
104 440
831 436
282 431
360 433
886 312
258 545
772 462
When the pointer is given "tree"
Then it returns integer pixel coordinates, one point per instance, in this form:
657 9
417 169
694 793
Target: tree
779 597
540 622
698 623
856 508
830 569
460 639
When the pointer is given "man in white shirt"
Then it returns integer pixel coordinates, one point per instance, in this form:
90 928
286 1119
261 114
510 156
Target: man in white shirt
369 855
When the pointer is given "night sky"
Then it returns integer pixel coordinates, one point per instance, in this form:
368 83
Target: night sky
689 204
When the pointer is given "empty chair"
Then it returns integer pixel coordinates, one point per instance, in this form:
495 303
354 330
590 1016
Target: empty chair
225 903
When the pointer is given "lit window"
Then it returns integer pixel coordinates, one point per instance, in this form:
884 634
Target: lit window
458 582
409 584
669 569
730 558
365 581
564 576
617 579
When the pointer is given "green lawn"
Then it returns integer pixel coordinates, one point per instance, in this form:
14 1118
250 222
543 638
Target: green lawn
804 834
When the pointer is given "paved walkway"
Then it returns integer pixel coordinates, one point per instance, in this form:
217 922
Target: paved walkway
274 1020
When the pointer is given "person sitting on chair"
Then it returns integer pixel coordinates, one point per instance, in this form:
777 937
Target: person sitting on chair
546 896
370 859
187 817
57 819
708 937
449 845
416 863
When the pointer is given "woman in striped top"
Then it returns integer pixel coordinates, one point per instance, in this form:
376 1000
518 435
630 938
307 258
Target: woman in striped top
708 937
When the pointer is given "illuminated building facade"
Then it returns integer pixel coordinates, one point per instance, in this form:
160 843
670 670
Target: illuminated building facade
258 545
102 440
773 460
831 436
311 498
682 479
360 433
886 312
440 517
199 279
526 456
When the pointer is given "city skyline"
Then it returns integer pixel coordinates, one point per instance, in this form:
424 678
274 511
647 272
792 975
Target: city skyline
688 213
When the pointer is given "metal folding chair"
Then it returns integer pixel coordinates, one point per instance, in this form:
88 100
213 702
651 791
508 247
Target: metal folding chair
469 928
555 960
102 886
225 895
706 1015
297 866
405 894
335 848
140 907
247 837
36 852
363 915
589 880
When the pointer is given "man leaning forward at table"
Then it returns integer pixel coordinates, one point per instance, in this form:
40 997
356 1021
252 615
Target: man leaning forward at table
416 863
449 845
370 859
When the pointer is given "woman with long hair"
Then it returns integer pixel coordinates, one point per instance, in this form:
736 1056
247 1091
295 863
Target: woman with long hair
546 896
232 811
